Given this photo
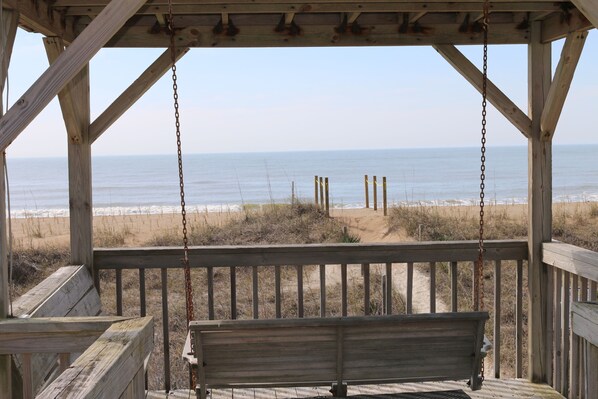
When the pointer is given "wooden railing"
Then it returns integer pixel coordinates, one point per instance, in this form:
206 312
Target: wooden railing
110 351
572 276
277 282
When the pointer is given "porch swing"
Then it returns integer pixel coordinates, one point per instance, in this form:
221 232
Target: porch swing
312 352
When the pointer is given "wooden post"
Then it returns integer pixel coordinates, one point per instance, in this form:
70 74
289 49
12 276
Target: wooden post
327 197
74 102
375 188
316 190
539 206
9 26
384 198
321 192
367 192
293 192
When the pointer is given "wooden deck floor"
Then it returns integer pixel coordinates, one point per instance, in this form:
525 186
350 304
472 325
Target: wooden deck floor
492 389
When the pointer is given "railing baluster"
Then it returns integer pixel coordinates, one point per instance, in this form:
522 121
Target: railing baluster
119 292
519 321
497 313
454 297
365 268
142 296
432 287
27 376
593 289
300 290
255 296
64 361
388 292
409 309
557 329
322 290
565 343
574 365
210 278
277 292
233 292
344 289
550 323
165 329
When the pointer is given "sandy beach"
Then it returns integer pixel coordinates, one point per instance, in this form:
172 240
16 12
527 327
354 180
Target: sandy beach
137 230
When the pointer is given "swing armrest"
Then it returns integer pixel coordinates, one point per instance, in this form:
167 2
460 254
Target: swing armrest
486 347
187 353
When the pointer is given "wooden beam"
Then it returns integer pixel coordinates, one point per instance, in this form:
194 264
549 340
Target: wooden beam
65 68
75 104
579 261
539 205
558 25
562 82
133 93
109 365
38 16
589 8
496 97
8 31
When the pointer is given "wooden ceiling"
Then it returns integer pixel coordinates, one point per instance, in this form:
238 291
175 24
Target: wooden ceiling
287 23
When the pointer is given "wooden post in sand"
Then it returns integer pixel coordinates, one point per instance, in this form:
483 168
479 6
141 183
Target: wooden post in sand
384 198
321 192
375 188
367 192
316 190
327 198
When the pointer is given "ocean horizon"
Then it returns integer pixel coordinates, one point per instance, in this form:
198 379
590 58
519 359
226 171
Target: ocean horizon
148 184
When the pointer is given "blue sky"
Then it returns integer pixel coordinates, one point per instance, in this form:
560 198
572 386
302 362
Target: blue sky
239 100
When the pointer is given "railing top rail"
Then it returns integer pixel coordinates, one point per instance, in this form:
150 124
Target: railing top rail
571 258
270 255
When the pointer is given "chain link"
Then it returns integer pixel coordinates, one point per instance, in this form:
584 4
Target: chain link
479 284
188 286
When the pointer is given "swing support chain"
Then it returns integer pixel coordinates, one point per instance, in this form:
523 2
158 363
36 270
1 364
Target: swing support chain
479 283
187 269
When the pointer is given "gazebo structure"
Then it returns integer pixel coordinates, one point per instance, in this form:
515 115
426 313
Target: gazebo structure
75 30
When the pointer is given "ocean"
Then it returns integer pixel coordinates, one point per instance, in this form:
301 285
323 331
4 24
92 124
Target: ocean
213 182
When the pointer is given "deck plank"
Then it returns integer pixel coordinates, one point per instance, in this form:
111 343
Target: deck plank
492 389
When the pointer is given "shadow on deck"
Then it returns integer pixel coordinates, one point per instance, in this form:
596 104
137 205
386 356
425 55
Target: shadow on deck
492 389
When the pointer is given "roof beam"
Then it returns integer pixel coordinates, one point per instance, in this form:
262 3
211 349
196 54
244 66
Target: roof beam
133 93
39 17
558 25
496 97
561 83
589 8
67 65
281 6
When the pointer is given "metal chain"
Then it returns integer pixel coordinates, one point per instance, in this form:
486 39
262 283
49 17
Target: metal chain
479 284
188 286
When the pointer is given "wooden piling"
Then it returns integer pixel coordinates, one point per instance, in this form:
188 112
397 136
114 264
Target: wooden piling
327 197
367 192
321 192
316 190
384 198
375 188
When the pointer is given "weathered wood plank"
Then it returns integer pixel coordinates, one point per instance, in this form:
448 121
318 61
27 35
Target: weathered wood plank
584 321
562 82
539 201
133 93
311 254
112 361
589 8
74 58
495 96
576 260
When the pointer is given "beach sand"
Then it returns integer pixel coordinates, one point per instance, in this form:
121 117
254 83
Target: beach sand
368 224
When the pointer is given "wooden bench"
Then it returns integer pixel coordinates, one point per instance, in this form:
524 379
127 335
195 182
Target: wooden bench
338 351
68 292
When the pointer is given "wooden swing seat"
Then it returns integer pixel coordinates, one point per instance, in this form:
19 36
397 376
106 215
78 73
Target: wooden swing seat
337 351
